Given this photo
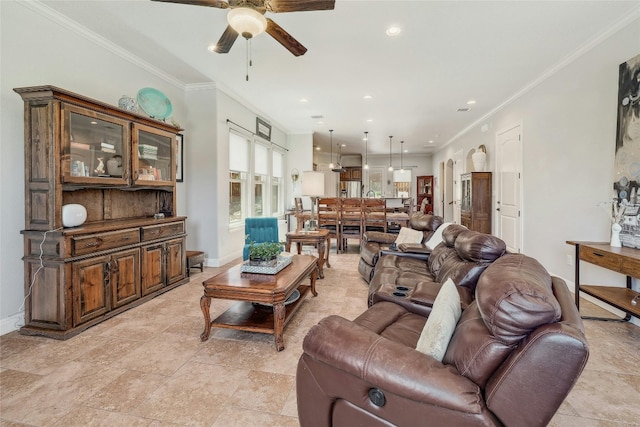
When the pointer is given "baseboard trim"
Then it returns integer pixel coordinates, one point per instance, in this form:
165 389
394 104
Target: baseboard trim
11 323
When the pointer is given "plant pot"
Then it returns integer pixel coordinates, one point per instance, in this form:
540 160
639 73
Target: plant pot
259 262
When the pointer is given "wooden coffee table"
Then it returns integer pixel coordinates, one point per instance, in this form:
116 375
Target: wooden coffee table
270 289
319 238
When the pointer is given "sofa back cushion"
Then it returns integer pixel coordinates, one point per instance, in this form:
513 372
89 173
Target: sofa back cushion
515 296
474 251
425 222
474 352
479 247
445 249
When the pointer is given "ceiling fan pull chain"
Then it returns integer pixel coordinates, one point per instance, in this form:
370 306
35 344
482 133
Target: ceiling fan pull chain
248 56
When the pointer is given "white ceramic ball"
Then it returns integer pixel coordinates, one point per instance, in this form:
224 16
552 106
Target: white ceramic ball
73 215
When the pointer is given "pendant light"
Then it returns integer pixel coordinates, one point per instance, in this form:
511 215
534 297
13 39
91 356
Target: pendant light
366 150
331 144
401 162
390 166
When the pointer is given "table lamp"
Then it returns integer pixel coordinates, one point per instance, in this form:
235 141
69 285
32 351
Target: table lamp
313 186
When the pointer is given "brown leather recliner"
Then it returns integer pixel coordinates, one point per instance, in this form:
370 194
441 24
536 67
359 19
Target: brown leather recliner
462 256
516 352
375 241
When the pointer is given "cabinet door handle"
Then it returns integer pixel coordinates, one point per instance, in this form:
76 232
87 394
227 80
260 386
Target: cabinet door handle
598 254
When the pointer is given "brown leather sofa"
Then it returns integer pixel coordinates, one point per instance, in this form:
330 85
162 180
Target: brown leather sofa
373 242
462 256
515 354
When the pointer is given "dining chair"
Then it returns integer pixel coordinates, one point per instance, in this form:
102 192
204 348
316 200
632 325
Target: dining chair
300 214
329 218
350 221
374 215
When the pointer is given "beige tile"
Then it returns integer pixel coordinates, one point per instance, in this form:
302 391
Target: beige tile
239 417
91 417
263 391
126 392
195 395
611 397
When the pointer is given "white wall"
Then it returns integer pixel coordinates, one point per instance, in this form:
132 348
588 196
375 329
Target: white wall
569 128
38 51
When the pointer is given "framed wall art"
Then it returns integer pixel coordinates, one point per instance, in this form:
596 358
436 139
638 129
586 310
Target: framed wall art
263 129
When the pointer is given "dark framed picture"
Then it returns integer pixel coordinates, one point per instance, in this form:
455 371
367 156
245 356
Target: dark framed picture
179 157
263 129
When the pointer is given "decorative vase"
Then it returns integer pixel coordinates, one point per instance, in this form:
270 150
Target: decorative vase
73 215
615 235
128 103
479 159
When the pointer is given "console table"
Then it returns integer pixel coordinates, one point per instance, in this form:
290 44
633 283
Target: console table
621 260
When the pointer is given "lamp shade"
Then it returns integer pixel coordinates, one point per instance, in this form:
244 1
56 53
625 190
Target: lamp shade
312 184
247 22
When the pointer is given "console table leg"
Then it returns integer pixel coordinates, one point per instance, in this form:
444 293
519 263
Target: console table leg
279 312
205 304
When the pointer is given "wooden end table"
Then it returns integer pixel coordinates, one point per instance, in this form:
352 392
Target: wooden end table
249 289
319 238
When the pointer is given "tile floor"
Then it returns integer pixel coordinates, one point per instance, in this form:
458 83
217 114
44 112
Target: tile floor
148 367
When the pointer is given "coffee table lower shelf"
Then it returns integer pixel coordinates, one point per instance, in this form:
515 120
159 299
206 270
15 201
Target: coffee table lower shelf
245 316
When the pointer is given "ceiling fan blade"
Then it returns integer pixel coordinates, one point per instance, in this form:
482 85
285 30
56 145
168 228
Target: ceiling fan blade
279 6
284 38
226 40
210 3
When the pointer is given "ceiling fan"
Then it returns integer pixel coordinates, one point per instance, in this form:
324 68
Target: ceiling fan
246 18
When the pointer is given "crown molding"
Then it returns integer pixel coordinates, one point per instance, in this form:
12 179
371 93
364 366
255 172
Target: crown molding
600 37
74 26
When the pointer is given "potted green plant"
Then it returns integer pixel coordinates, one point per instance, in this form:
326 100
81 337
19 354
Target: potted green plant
264 253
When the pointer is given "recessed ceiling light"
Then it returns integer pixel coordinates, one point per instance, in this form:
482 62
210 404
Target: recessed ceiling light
303 100
367 97
393 31
431 141
369 120
471 102
343 145
406 151
320 122
93 122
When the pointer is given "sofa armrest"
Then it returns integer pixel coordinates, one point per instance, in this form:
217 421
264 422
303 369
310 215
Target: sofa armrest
390 366
414 248
379 236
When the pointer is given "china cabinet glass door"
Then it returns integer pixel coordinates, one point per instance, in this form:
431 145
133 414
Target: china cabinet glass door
154 154
94 148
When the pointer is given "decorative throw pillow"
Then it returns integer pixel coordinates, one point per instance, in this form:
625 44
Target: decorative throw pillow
436 238
441 323
409 235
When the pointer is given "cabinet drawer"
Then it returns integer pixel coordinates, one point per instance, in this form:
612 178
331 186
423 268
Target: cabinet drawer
99 242
630 267
603 259
159 231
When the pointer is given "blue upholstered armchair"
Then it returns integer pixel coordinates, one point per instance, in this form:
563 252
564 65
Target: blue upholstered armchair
259 230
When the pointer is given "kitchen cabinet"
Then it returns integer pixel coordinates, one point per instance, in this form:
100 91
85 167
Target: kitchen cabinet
120 166
351 174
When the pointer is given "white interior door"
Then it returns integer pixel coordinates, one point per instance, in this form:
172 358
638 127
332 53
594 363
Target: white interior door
509 167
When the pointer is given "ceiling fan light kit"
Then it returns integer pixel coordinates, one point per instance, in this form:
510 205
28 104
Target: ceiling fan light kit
247 22
246 18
